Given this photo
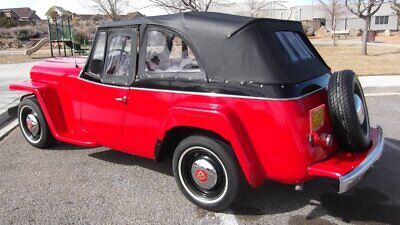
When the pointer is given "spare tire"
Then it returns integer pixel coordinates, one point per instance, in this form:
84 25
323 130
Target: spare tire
348 111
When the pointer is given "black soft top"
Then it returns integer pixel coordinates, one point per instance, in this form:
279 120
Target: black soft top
237 48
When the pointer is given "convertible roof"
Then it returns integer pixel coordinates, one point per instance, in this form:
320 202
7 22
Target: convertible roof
190 20
236 48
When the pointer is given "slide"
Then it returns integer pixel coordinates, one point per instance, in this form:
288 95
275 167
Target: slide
35 48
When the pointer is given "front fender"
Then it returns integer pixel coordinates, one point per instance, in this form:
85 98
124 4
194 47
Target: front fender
48 99
50 104
224 122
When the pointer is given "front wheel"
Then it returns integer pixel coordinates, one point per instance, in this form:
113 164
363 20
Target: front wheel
33 124
207 172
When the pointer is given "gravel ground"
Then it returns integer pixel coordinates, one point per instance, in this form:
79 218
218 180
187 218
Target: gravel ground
71 185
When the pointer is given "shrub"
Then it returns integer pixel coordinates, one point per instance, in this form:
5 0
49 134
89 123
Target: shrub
7 23
81 34
24 33
5 32
79 37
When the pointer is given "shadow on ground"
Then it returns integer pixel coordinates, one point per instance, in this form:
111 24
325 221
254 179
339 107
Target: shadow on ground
121 158
386 53
374 200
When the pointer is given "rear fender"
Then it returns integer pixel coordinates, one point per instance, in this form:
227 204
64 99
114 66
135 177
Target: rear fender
224 122
49 102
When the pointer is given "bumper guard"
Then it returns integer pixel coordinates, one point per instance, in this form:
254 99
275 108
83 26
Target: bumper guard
346 182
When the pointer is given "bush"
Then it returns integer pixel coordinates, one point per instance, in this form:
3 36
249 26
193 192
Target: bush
5 33
24 33
7 23
79 37
81 34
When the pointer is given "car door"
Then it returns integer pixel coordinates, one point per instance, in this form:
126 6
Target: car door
105 85
166 64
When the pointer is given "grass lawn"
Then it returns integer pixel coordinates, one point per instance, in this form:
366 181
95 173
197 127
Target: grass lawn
380 60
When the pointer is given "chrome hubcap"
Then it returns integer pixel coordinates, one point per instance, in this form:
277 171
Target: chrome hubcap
359 108
204 173
29 122
32 124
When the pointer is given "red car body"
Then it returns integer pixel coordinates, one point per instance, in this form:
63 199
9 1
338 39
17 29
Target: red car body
272 138
281 153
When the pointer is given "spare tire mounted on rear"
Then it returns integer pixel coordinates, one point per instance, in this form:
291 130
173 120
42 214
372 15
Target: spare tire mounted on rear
348 111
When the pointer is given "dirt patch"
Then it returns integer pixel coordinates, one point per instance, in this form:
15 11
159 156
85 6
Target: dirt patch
379 61
18 58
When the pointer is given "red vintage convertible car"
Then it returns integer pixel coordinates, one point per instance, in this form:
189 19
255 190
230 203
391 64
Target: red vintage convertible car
233 100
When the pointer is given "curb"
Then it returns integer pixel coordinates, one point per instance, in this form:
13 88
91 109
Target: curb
8 119
4 131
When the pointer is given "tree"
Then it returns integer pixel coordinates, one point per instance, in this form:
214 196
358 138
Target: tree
334 10
254 6
396 8
187 5
364 9
111 8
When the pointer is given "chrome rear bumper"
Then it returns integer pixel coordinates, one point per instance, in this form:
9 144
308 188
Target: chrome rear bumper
352 178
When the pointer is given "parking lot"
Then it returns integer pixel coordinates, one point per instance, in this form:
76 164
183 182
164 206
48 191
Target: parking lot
72 185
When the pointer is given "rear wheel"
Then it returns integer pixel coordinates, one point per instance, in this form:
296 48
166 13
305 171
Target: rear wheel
33 124
207 172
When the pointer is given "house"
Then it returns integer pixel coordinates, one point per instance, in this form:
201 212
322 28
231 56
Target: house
98 18
83 18
130 15
24 14
384 19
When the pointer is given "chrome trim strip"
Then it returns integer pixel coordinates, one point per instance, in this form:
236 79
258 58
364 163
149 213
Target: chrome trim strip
349 180
105 85
210 94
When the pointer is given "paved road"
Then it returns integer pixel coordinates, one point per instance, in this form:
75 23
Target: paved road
70 185
10 73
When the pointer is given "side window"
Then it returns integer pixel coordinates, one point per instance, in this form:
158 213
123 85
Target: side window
167 56
118 61
294 46
97 61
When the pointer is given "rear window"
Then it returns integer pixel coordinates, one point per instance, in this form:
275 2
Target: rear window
294 45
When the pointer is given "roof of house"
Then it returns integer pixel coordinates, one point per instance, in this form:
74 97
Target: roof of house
89 16
130 15
24 12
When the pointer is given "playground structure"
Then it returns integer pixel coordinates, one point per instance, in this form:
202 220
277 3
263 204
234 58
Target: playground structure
60 37
38 45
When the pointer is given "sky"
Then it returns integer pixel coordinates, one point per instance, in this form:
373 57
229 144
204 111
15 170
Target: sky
81 6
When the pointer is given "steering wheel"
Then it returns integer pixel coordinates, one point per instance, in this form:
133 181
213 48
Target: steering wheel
122 51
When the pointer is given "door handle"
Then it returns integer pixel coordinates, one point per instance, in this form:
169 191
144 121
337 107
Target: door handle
123 99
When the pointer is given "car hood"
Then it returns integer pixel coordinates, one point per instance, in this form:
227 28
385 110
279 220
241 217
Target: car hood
49 69
78 60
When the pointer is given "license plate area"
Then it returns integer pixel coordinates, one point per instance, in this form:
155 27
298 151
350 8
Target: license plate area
317 118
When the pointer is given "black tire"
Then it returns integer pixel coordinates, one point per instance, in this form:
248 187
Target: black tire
229 182
353 135
43 137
